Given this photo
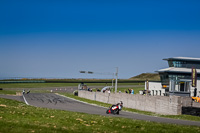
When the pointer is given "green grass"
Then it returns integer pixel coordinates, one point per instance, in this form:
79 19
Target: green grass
13 91
44 85
36 85
16 117
183 117
7 92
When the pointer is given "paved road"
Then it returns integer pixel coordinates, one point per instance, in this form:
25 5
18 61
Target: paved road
51 100
59 102
13 97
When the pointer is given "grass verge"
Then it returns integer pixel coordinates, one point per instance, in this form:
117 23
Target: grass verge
45 85
36 85
7 92
16 117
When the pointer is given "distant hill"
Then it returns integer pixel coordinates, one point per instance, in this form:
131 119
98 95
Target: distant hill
149 76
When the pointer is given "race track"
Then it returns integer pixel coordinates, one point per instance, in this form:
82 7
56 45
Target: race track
53 101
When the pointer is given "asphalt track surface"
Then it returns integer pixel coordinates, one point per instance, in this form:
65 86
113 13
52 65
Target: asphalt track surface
54 101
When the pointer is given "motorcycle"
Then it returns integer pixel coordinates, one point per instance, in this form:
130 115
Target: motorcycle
114 109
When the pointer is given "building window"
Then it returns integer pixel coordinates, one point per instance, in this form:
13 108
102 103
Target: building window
170 64
177 63
184 64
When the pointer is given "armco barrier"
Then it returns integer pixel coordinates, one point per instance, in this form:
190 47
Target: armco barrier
158 104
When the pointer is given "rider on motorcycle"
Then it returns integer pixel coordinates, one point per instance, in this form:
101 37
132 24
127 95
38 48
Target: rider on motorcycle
115 106
120 105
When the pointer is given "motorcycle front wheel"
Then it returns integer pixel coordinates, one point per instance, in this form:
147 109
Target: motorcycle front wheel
116 111
107 111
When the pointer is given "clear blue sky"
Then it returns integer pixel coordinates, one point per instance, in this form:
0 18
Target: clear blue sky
58 38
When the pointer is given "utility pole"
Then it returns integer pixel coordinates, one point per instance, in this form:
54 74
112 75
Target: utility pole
113 79
116 74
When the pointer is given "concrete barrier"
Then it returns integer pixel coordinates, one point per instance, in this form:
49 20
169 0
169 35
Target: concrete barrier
157 104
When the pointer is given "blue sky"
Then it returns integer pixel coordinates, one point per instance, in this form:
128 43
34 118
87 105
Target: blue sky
58 38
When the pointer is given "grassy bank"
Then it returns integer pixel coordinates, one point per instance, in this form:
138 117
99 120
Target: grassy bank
16 117
7 92
45 85
36 85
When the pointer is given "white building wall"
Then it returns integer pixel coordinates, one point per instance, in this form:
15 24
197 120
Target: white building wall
198 89
155 88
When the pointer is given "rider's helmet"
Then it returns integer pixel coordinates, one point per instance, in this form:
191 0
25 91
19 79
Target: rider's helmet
121 103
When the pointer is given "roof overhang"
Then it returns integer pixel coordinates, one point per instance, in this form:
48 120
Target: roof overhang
183 59
177 70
